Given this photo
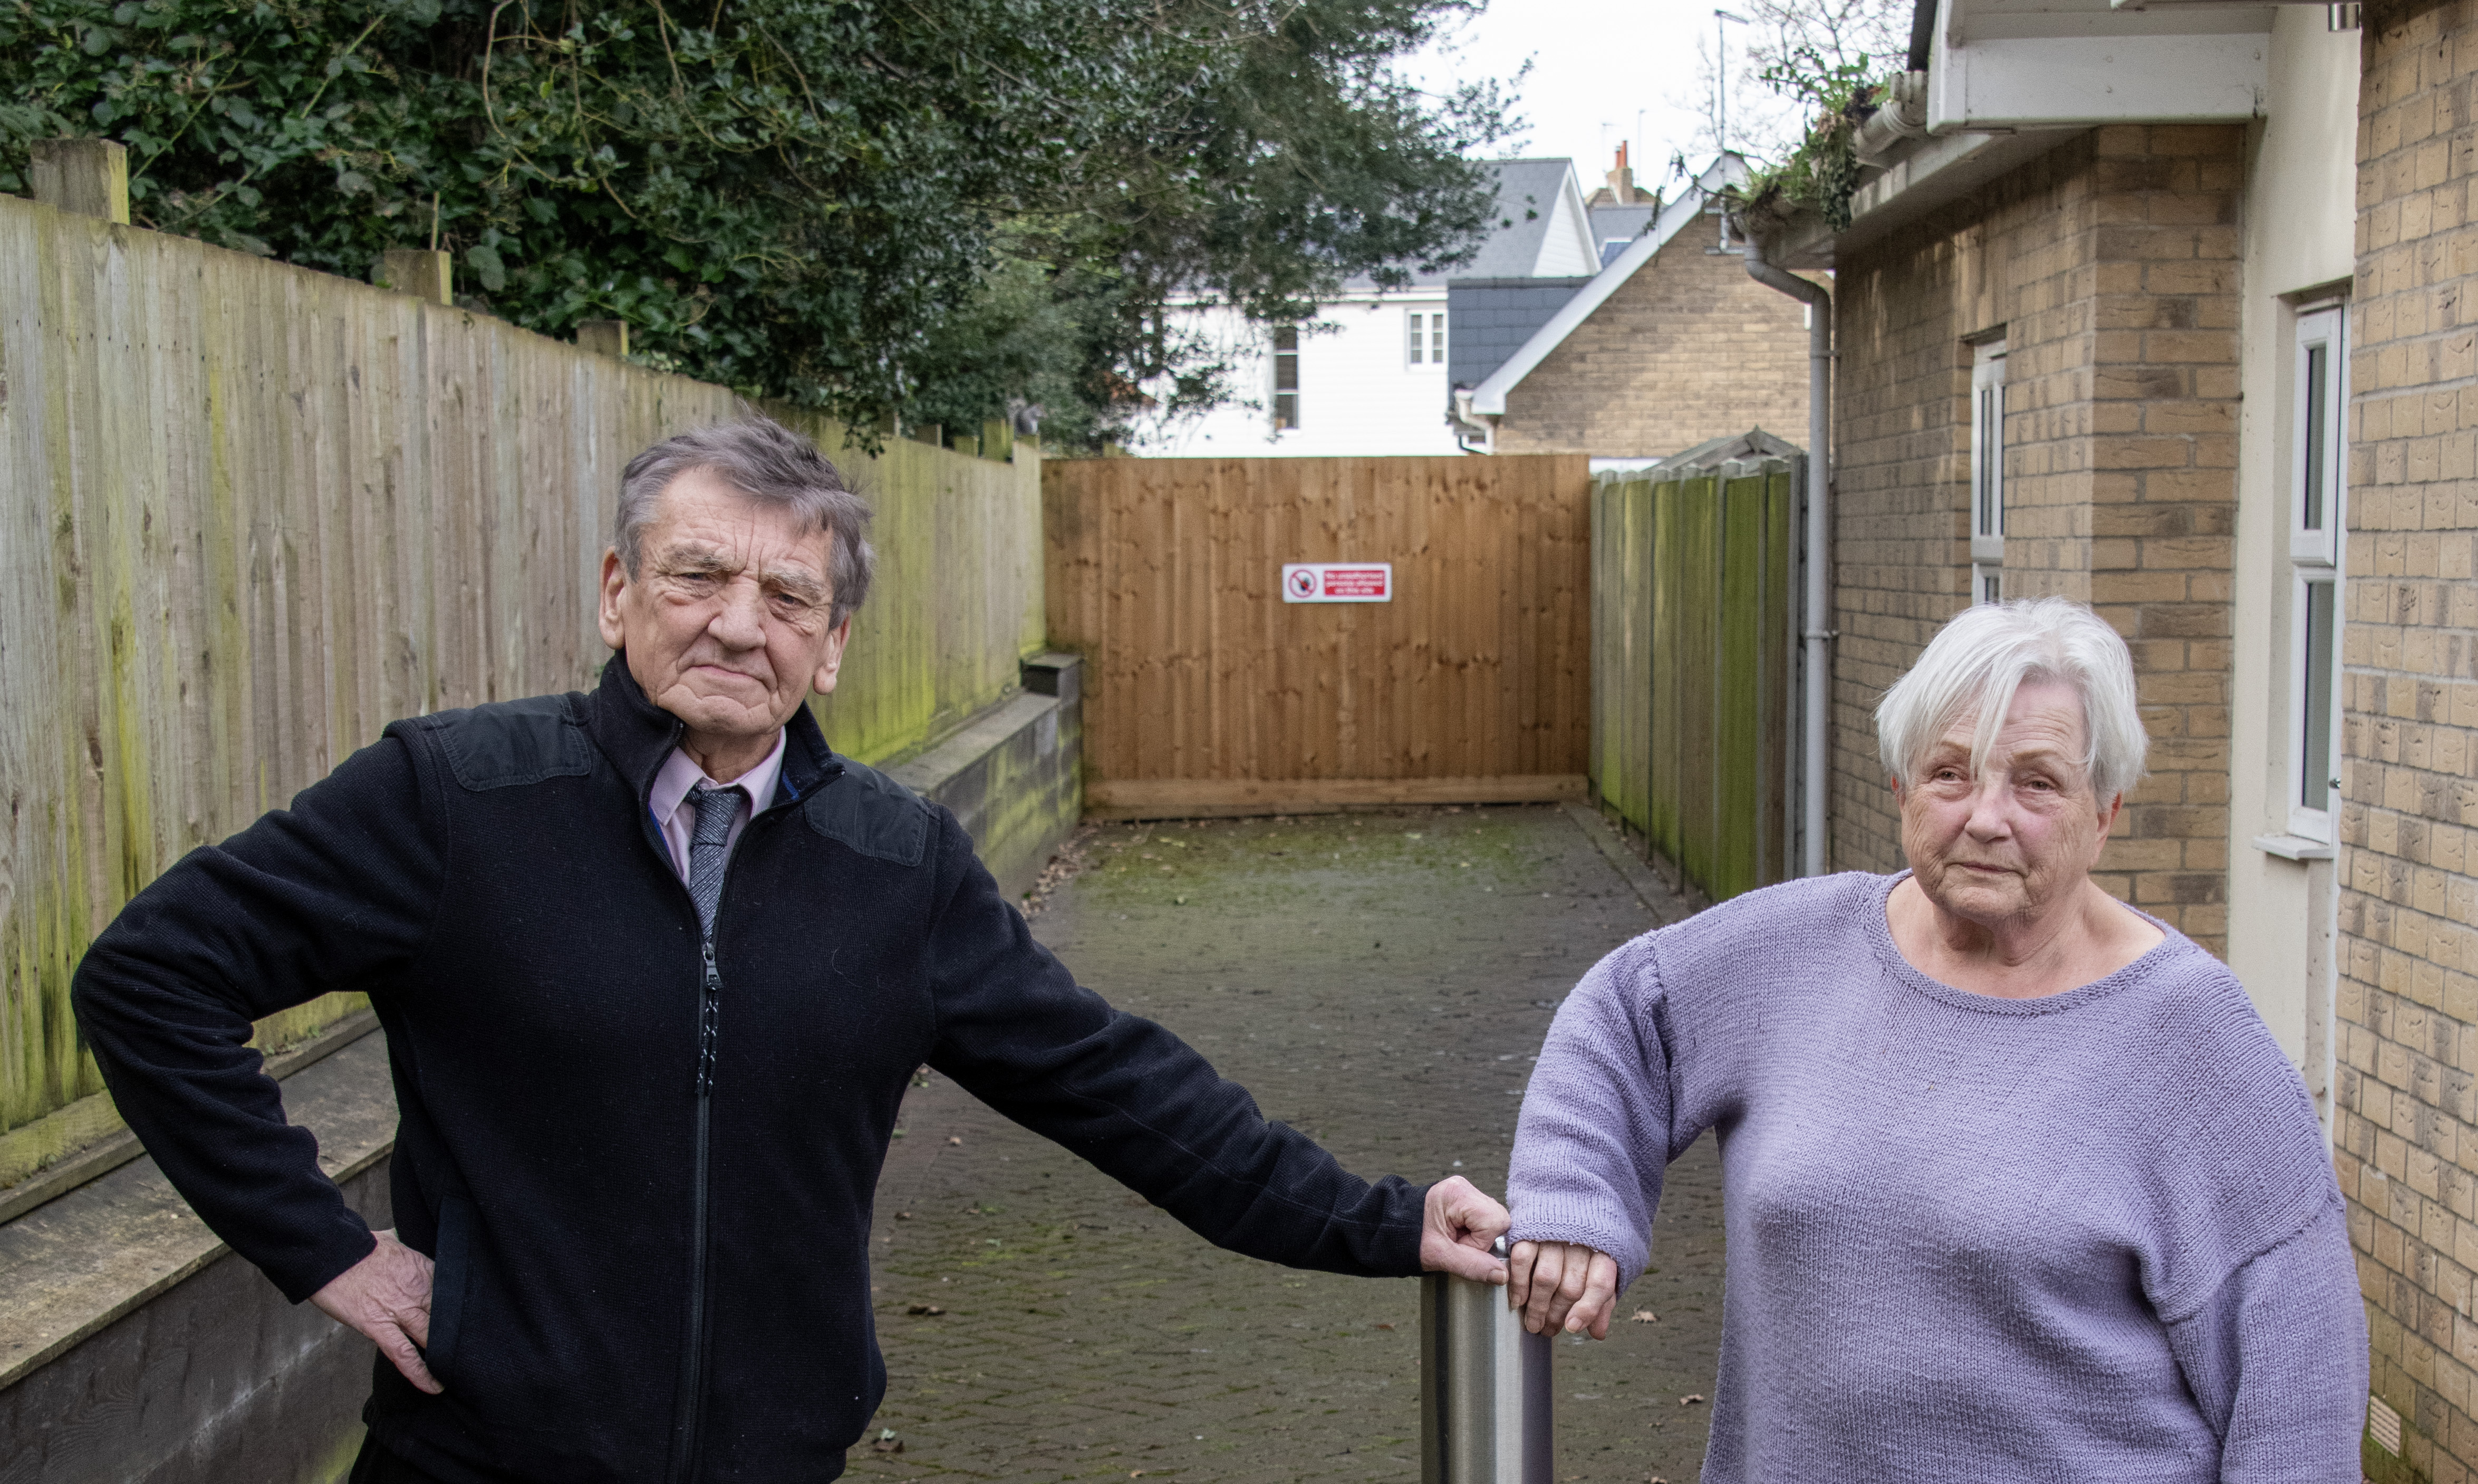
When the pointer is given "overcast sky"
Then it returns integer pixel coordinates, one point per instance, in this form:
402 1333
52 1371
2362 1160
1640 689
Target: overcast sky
1606 70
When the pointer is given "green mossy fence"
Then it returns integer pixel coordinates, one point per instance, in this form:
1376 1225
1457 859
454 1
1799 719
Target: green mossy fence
1692 655
249 513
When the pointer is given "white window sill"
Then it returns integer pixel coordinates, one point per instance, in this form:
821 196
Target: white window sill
2294 847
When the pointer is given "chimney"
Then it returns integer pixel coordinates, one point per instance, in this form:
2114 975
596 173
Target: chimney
1622 179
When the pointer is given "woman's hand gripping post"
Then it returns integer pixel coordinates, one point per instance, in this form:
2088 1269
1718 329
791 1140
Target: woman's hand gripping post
1561 1285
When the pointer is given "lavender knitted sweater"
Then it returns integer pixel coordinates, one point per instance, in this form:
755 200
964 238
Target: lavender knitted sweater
2094 1236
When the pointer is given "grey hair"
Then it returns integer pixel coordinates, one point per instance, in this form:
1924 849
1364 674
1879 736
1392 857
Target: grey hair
1976 660
770 464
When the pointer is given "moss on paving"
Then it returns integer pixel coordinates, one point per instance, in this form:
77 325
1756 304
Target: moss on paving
1380 981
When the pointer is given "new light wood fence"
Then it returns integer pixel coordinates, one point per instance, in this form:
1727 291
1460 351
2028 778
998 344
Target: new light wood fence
1692 649
1206 693
249 513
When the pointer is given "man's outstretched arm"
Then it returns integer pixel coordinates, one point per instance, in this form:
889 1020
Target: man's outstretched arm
1018 1032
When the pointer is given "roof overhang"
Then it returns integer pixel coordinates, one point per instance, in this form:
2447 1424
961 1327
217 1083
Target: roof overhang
2009 80
2033 63
1936 171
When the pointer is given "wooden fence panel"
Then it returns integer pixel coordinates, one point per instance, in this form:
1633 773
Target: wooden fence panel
1737 719
249 513
1697 659
1780 642
1205 693
1692 653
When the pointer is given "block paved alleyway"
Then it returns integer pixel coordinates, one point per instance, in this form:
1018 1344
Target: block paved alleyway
1382 981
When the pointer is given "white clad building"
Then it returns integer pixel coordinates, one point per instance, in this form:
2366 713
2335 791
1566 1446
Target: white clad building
1368 375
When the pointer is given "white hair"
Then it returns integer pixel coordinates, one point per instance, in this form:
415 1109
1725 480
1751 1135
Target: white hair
1976 660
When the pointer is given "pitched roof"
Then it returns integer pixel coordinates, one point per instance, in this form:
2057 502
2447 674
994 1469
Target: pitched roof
1623 223
1727 170
1731 448
1532 201
1492 318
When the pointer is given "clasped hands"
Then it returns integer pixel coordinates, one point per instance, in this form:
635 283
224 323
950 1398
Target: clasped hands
386 1296
1555 1284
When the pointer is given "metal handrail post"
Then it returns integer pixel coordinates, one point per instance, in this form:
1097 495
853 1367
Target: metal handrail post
1485 1392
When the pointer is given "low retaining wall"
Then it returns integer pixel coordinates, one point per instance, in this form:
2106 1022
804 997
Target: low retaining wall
1014 775
135 1346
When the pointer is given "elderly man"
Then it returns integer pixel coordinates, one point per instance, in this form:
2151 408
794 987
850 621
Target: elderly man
655 964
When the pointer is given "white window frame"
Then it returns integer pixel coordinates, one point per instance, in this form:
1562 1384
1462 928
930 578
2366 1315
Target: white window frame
1423 337
1284 420
1988 471
2318 523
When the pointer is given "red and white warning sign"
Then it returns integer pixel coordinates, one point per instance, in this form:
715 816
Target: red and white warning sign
1337 582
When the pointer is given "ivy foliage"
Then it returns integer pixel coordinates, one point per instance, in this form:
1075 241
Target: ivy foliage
946 208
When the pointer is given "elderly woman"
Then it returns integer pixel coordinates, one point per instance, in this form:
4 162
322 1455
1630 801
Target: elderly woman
2018 1184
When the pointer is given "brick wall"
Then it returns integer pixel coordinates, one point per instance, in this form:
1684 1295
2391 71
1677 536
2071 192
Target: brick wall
2407 996
2111 266
1688 348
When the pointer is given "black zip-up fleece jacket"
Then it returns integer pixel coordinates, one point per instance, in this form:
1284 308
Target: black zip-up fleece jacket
646 1183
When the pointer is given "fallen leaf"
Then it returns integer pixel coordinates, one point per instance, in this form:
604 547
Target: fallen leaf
1641 1315
903 1216
1688 1401
1385 1326
933 1309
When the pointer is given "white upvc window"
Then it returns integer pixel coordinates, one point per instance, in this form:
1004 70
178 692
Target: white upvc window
1425 337
1987 472
1286 377
2317 519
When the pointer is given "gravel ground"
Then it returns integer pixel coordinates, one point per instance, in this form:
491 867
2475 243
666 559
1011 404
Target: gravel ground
1382 981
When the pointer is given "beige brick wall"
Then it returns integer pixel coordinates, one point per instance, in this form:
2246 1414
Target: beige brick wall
2408 997
2111 266
1689 348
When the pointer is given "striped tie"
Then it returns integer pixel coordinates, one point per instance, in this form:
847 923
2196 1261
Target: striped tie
716 808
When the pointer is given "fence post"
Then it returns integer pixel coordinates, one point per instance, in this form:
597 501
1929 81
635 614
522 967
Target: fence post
603 337
90 177
997 440
1484 1387
417 271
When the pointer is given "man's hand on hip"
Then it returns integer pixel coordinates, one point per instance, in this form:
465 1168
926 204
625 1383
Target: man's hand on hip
1459 1225
386 1296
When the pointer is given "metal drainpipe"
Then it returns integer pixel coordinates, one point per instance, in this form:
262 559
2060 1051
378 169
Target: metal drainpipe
1819 532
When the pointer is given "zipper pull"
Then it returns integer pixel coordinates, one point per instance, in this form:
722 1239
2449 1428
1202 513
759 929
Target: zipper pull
709 1016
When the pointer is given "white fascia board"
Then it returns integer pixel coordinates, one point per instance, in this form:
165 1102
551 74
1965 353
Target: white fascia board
2050 80
1488 398
1995 65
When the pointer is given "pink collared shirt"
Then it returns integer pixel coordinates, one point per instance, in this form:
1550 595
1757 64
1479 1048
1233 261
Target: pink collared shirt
670 800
